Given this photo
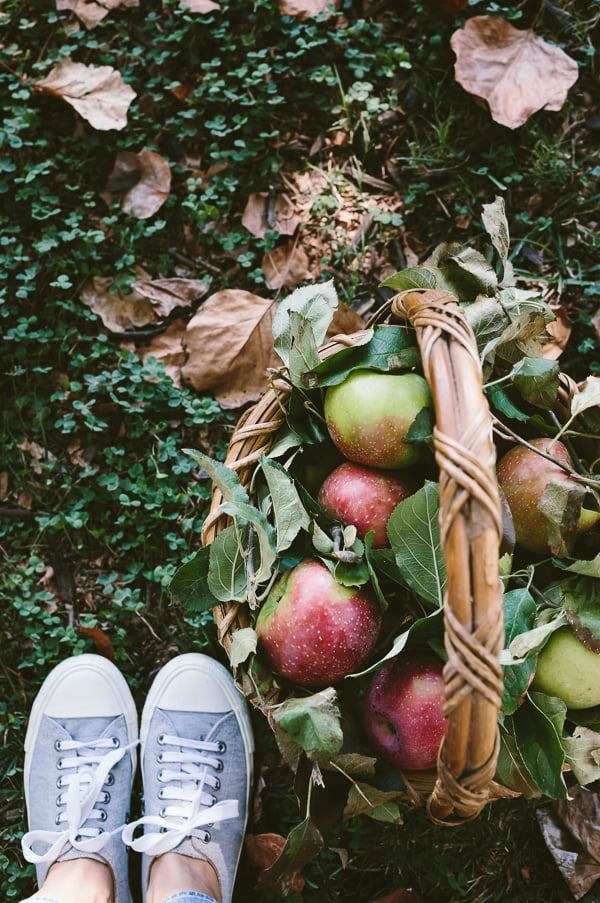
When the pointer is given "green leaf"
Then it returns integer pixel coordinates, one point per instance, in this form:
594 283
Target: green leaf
315 304
364 799
495 223
227 575
414 535
422 631
519 617
190 583
539 742
243 645
304 349
303 843
264 553
581 604
411 277
313 722
386 348
533 640
537 380
588 568
290 515
226 479
463 271
511 770
501 401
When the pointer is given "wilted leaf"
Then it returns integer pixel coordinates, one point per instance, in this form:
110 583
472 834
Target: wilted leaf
515 71
243 644
303 843
306 9
97 93
230 347
200 6
571 830
270 213
118 312
363 798
145 179
587 397
166 295
560 331
167 348
102 642
286 266
263 850
582 753
90 12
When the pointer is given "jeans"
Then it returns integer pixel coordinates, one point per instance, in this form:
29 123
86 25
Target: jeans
184 896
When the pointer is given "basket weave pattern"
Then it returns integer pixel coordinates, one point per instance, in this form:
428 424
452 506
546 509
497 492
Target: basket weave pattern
471 530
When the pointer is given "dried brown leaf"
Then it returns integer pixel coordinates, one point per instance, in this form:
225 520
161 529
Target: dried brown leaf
145 179
571 830
230 347
276 214
166 295
117 311
305 9
97 93
286 266
90 12
167 347
264 850
515 71
560 329
200 6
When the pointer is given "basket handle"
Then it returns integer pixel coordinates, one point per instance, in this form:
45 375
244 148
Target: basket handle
471 530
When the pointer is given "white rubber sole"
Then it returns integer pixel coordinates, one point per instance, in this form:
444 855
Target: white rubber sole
82 686
194 682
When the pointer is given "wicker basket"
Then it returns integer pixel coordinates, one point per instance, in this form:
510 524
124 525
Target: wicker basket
471 529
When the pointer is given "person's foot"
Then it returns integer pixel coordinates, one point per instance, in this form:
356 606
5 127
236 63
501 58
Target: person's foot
197 760
80 755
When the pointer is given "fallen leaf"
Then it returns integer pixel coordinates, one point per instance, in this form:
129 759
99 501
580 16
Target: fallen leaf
144 180
200 6
102 642
97 93
306 9
286 266
263 214
167 347
515 71
230 347
166 295
90 12
118 312
36 453
447 9
264 850
570 828
560 330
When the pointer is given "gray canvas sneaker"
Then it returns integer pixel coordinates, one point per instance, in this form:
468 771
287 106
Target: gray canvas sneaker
80 756
197 765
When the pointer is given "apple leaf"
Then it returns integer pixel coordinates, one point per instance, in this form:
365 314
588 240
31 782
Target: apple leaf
364 799
288 511
226 479
227 570
190 583
588 397
537 380
303 352
313 722
384 348
261 542
511 770
411 277
462 270
414 534
303 843
519 616
588 568
533 640
243 644
313 303
538 732
582 754
581 604
500 399
495 223
373 575
561 503
422 631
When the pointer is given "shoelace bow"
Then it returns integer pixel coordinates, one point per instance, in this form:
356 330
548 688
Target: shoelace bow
88 770
186 786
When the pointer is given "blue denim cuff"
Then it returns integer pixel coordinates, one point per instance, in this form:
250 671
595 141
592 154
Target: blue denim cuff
189 896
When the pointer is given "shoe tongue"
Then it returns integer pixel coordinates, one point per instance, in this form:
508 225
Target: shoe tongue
85 729
190 725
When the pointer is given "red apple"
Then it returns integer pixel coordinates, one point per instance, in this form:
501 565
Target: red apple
404 710
312 630
523 474
364 497
369 414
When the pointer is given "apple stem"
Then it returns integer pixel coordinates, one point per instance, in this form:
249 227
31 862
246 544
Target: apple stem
339 553
250 573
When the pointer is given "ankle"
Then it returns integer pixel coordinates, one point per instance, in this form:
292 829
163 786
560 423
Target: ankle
65 880
173 872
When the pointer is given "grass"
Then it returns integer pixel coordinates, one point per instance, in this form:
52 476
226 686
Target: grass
99 504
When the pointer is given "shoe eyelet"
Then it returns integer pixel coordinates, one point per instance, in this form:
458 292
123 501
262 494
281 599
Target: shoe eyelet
116 742
59 764
58 746
222 747
217 784
159 776
103 816
59 782
161 794
219 765
57 819
59 800
162 811
205 837
213 801
159 757
110 779
163 830
106 797
161 739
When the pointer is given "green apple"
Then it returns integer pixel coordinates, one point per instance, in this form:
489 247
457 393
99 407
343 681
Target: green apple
369 414
568 669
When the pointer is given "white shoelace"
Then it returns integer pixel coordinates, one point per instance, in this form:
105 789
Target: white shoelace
85 773
186 786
